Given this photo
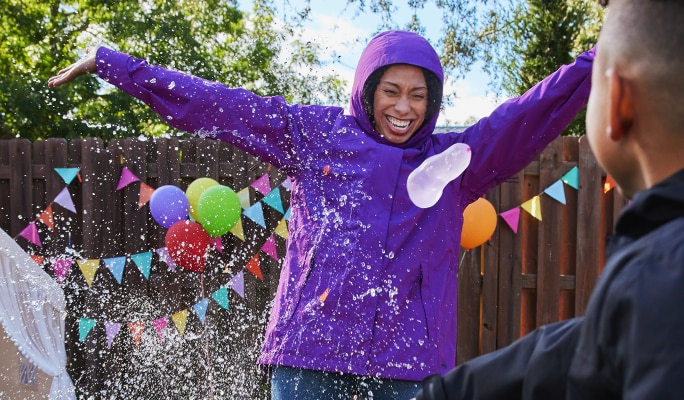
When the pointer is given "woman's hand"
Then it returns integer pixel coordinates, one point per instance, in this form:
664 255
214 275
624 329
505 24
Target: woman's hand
85 65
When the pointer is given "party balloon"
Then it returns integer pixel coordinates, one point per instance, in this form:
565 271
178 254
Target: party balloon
218 210
188 244
426 183
195 190
168 205
479 223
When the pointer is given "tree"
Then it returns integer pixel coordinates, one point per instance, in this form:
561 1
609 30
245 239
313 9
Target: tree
537 38
208 38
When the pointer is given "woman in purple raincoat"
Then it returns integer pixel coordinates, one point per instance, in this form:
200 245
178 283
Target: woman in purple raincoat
368 289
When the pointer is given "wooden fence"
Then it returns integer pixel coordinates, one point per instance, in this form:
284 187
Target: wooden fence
517 281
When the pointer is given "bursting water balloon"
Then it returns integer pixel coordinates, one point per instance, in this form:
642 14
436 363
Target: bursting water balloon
426 183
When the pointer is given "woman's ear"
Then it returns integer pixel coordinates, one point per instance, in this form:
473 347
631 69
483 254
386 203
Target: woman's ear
621 105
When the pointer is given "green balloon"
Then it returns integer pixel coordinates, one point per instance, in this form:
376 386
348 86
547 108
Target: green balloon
218 210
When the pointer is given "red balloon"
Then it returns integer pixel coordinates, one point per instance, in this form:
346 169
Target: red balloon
188 245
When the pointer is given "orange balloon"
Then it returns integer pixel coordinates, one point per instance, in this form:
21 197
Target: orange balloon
479 223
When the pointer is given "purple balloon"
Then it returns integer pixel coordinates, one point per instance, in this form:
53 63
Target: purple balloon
168 205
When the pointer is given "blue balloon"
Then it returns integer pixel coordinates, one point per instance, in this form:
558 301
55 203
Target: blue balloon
168 205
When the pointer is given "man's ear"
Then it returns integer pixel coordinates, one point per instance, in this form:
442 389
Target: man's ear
621 107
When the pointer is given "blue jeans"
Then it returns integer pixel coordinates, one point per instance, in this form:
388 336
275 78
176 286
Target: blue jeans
289 383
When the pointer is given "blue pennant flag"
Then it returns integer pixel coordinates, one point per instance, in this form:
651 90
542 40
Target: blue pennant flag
116 266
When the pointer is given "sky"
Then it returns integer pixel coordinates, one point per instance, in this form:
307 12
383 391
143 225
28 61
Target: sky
333 27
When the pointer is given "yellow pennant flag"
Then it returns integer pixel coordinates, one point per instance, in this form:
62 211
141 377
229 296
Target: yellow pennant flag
180 319
237 230
533 206
281 229
88 269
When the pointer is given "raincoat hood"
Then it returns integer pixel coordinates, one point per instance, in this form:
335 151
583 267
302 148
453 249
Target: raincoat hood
387 48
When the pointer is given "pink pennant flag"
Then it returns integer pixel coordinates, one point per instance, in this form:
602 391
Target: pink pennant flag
237 283
64 200
31 233
127 177
159 325
61 267
218 244
269 248
262 185
512 217
111 330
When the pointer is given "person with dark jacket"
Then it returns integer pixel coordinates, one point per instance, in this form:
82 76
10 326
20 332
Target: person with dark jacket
367 292
630 342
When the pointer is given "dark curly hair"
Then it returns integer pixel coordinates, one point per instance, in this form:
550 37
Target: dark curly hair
434 87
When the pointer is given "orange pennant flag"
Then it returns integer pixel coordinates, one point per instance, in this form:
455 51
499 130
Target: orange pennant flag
145 194
609 184
254 267
38 259
136 330
46 217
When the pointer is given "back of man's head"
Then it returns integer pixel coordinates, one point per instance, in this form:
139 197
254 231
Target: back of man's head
647 37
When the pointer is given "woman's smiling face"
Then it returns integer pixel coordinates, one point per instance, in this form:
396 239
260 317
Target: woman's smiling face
400 102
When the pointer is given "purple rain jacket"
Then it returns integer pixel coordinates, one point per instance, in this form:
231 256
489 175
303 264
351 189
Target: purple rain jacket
386 269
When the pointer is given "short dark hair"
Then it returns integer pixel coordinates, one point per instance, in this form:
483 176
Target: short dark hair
434 87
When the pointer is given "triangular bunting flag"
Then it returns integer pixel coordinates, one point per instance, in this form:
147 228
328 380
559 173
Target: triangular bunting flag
88 269
144 195
180 319
111 330
262 185
256 214
165 257
159 325
254 267
287 215
237 283
144 262
46 217
136 330
64 200
221 297
556 191
201 309
269 247
571 178
38 259
512 217
218 244
85 325
67 174
287 184
281 229
533 206
273 199
609 184
238 231
127 177
31 234
243 196
61 267
116 266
